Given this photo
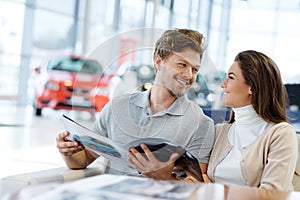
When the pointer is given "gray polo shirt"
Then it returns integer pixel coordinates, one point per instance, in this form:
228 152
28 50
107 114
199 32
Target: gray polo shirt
128 117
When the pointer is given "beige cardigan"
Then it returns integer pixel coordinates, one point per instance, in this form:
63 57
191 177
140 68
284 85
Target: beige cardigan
268 162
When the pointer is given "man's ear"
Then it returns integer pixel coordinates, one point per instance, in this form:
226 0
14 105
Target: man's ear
157 62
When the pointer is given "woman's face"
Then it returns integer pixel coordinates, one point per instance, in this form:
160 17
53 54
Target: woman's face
236 92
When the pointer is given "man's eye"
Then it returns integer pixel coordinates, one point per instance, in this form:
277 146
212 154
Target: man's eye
182 64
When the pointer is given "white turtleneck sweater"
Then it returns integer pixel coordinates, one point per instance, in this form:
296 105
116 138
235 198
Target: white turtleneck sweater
247 127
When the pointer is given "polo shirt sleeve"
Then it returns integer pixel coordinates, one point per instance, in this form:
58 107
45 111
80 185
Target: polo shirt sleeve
203 139
102 119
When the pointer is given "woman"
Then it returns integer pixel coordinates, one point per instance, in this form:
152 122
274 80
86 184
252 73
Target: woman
257 147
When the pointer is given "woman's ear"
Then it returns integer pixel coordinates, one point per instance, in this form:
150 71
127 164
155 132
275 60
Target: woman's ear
250 91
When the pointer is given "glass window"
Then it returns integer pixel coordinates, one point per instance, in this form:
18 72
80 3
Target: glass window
216 16
99 23
245 20
131 14
162 17
290 5
11 27
101 12
254 4
67 7
11 31
181 13
268 26
287 57
149 14
288 23
75 65
194 14
52 30
204 14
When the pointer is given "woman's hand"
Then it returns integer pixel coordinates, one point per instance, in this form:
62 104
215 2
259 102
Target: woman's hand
150 166
206 179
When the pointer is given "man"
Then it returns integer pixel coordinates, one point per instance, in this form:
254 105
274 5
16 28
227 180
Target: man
162 112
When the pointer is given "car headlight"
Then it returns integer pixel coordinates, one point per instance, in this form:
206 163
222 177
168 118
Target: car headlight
68 83
145 72
52 86
100 91
147 86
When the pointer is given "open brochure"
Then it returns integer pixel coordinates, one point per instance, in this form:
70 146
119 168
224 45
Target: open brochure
103 146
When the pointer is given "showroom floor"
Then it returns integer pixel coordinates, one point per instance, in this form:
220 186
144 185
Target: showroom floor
27 142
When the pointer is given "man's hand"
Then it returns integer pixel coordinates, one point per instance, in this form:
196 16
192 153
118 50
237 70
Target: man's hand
67 147
150 166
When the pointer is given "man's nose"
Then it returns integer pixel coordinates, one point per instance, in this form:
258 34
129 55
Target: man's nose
188 72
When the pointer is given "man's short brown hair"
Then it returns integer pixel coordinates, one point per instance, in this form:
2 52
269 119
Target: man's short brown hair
176 40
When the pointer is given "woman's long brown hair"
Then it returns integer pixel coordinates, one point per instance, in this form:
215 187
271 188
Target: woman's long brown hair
269 98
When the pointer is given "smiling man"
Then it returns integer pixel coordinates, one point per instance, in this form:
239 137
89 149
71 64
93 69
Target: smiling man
164 111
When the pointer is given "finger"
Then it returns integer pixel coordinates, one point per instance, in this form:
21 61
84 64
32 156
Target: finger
190 178
138 157
131 157
173 157
67 144
70 150
135 162
148 153
62 136
132 160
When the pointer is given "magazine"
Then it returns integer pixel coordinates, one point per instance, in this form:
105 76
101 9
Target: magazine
162 149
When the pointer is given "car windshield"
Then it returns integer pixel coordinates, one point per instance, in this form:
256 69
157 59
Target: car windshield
75 65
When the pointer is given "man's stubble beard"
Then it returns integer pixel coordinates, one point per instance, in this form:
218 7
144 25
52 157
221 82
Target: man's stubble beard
174 92
170 85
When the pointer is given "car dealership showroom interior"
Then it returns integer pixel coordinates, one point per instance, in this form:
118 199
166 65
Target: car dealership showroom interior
72 57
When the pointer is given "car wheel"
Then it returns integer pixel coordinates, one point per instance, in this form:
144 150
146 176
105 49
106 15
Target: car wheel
38 111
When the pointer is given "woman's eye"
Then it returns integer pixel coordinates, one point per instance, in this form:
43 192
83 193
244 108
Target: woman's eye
182 64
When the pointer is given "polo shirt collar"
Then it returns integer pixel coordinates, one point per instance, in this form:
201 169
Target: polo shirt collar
177 108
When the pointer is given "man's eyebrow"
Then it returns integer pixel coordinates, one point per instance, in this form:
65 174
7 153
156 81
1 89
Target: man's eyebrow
183 59
194 65
197 66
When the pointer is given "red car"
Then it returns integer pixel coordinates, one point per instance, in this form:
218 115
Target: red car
71 83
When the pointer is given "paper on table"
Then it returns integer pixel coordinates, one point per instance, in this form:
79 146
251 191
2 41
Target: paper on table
109 186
